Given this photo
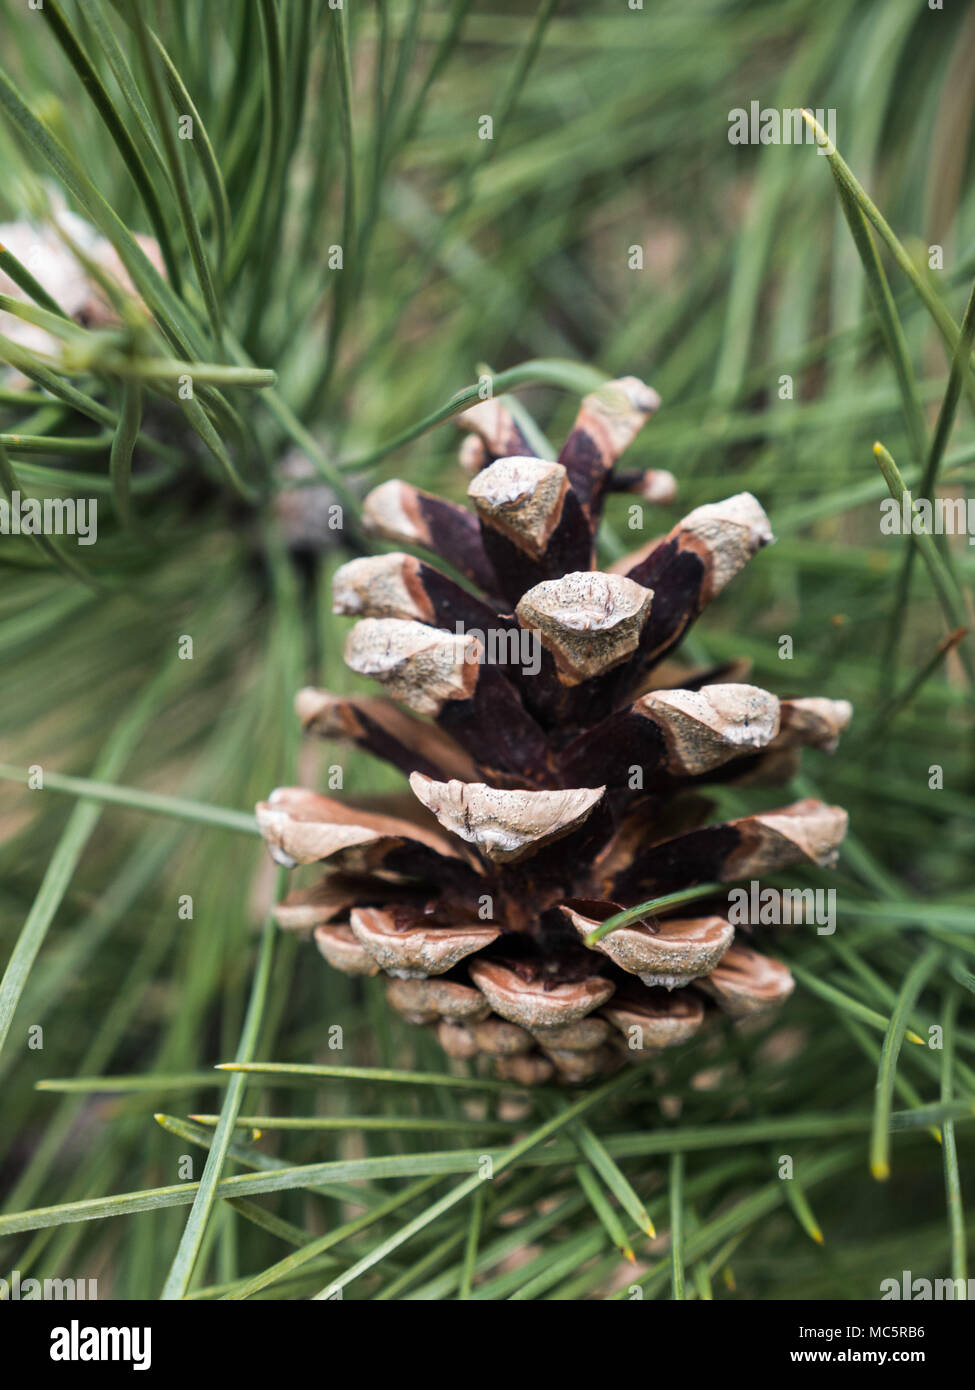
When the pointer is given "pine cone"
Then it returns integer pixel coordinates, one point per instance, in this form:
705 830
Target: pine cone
556 777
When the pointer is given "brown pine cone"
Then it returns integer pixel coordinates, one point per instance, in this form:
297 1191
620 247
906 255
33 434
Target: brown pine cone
555 765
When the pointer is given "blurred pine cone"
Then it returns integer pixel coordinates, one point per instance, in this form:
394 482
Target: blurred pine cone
560 759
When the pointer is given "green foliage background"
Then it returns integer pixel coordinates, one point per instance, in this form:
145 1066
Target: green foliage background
316 128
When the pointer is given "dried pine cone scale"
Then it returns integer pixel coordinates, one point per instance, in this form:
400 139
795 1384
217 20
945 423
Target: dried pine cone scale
529 827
